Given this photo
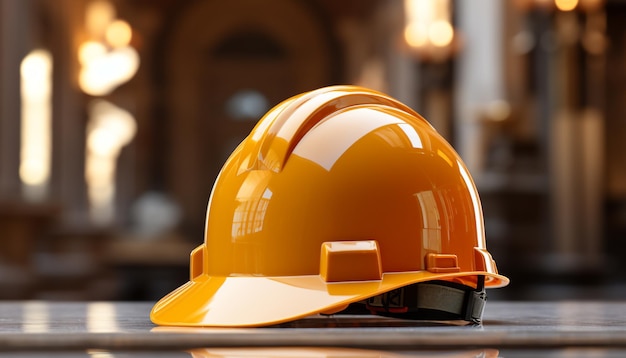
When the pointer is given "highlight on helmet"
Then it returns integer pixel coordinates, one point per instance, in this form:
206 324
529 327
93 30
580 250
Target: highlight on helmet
340 198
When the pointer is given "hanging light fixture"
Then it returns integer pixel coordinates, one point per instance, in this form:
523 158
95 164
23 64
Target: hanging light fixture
107 59
428 29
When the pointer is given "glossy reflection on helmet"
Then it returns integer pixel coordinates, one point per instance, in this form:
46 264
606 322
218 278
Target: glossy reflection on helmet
341 164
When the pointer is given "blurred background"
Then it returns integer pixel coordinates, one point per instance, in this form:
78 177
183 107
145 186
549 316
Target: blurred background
116 115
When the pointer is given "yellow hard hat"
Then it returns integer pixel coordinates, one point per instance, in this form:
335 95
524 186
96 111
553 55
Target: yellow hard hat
340 195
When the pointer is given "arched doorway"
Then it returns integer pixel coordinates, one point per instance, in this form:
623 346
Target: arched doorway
226 64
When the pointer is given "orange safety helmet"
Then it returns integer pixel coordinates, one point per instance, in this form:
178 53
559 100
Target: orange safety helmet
340 195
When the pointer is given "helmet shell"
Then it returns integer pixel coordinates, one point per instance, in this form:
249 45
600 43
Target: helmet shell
342 191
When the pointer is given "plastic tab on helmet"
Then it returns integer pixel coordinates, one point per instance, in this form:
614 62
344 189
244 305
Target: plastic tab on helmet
442 263
350 261
483 261
196 260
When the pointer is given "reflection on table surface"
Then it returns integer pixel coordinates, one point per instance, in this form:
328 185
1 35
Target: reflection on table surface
123 329
301 352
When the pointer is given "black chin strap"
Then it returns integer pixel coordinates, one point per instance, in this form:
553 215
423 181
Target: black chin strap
432 300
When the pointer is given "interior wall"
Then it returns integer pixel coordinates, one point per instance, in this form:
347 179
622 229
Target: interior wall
200 81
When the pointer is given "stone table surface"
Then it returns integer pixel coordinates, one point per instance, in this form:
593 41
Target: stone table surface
123 329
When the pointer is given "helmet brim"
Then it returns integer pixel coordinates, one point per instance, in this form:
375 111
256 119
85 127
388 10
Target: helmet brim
252 301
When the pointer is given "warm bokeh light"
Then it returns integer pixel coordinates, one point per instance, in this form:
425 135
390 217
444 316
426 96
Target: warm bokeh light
36 107
119 123
107 59
566 5
440 33
417 16
428 23
90 51
98 15
118 33
110 128
102 74
416 35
